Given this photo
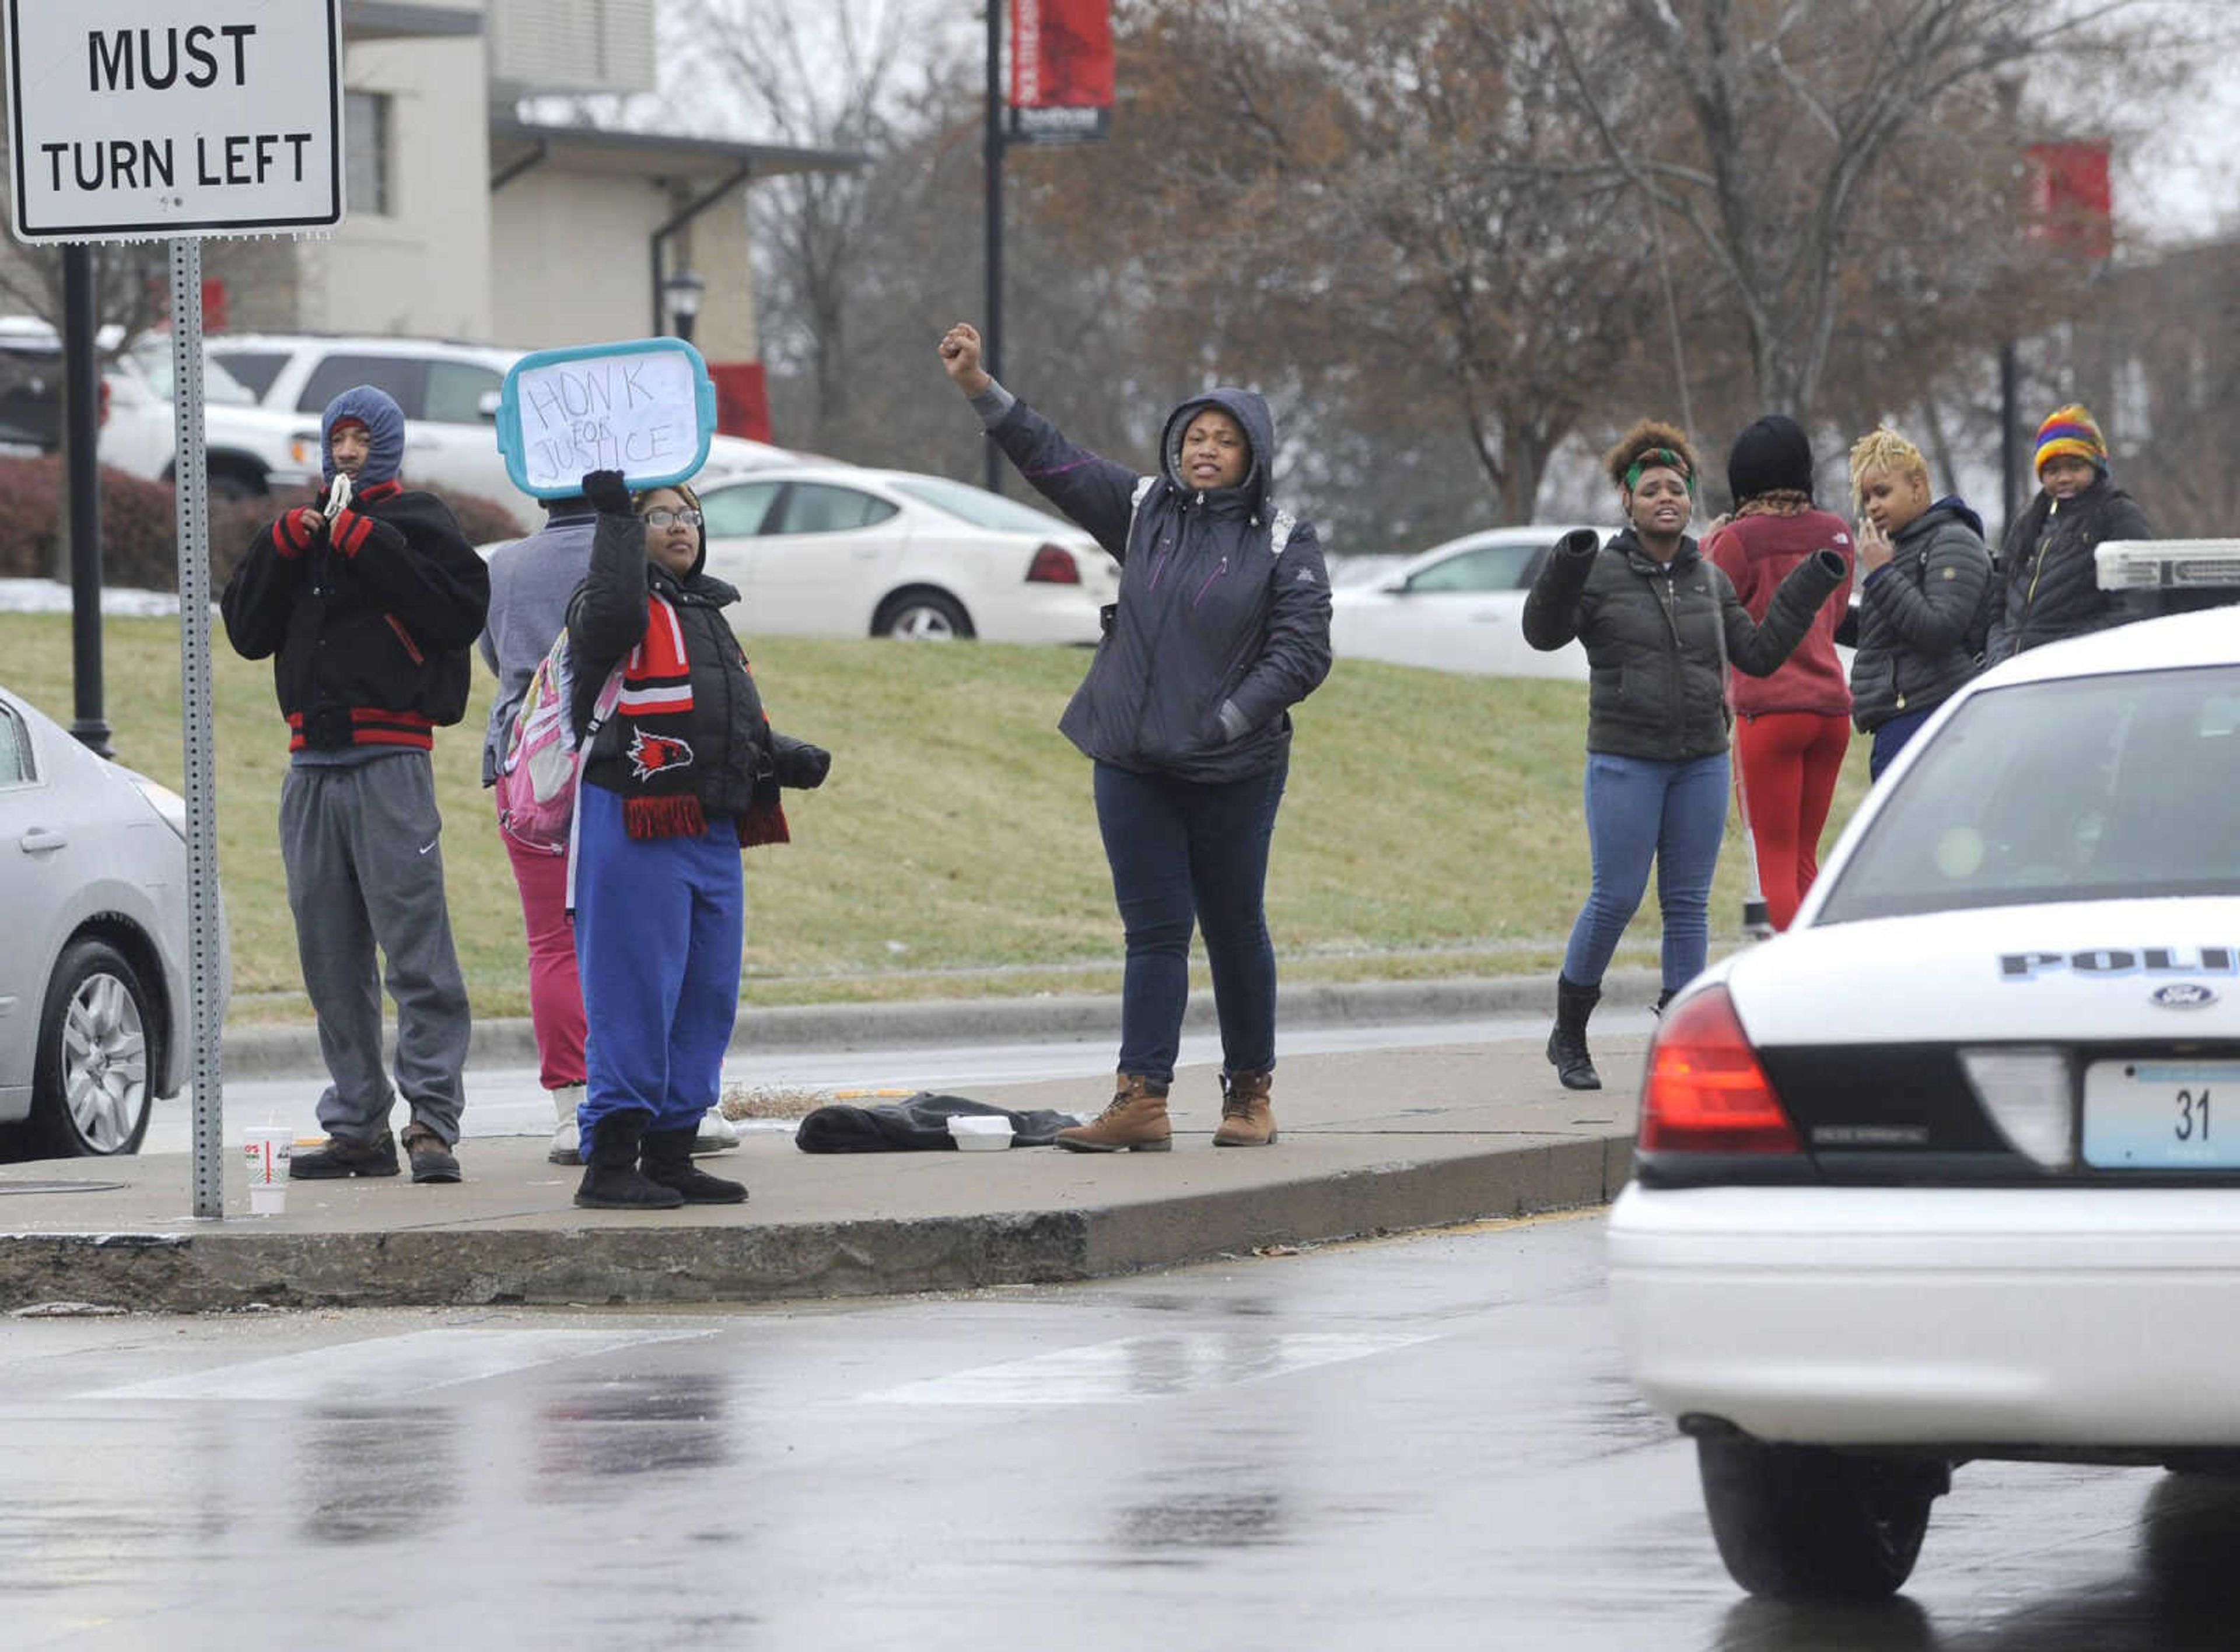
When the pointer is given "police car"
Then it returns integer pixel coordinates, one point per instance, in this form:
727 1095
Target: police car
1951 1170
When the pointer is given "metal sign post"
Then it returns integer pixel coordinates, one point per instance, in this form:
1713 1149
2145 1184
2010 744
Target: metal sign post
191 467
134 120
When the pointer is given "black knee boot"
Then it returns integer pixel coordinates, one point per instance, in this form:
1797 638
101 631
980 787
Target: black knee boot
1567 1045
666 1158
611 1181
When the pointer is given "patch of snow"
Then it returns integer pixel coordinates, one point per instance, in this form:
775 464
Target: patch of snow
52 597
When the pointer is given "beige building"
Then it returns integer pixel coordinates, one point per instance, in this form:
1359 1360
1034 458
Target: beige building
465 222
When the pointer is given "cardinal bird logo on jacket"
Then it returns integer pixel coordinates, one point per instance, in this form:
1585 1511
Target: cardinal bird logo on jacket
654 753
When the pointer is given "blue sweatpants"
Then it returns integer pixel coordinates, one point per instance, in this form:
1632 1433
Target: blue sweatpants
1639 809
659 924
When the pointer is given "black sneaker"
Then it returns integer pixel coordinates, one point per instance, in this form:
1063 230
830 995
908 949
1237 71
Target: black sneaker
339 1158
431 1159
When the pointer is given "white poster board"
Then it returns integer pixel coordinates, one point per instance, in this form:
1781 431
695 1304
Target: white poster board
646 408
137 119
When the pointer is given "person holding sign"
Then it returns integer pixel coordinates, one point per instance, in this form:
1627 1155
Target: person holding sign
683 776
1222 626
532 582
368 603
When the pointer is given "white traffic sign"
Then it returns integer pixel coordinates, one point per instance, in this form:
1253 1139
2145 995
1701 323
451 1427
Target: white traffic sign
139 119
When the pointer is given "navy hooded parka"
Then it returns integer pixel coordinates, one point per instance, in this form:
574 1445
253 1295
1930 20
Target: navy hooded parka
1210 614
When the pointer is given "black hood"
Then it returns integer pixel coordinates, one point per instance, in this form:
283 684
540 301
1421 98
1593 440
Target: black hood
1249 410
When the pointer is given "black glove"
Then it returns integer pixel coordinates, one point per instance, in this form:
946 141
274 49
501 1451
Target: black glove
607 490
799 765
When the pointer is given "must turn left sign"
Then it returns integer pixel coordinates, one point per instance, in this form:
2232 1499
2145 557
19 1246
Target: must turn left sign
132 119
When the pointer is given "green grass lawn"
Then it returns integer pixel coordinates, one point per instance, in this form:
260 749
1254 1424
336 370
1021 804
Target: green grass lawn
1431 826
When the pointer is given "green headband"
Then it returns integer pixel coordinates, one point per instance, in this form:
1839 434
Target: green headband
1653 457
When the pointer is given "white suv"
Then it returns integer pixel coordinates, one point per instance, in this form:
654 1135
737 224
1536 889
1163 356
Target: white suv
449 392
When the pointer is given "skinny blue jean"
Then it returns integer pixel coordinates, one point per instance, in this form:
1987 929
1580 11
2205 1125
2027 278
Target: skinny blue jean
1640 809
1182 853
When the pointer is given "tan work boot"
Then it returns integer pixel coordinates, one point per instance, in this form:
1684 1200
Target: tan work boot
1135 1122
1247 1119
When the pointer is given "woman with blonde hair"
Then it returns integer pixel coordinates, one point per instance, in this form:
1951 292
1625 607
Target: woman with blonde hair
1922 608
1660 625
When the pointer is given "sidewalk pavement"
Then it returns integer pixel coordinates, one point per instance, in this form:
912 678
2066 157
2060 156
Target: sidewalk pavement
1372 1142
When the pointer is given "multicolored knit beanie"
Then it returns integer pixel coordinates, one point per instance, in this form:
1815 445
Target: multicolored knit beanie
2070 433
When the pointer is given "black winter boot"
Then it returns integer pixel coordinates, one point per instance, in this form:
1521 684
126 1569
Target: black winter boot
1664 998
1567 1045
611 1181
666 1157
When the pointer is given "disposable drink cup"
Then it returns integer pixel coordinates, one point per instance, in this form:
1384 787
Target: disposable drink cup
265 1149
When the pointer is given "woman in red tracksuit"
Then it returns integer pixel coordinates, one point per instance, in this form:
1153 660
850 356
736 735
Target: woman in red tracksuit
1793 726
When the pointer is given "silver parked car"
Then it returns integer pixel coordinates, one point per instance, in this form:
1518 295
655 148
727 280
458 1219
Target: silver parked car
93 982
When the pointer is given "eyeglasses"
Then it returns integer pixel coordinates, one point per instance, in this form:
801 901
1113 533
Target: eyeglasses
664 518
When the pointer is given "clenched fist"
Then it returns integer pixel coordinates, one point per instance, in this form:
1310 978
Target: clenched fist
960 359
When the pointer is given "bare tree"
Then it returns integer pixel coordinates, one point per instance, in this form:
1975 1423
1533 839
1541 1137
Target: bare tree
1793 111
833 78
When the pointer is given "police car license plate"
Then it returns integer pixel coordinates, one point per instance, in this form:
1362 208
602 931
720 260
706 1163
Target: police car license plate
2162 1116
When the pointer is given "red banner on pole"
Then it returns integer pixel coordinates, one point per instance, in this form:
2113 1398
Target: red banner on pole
2071 201
1061 70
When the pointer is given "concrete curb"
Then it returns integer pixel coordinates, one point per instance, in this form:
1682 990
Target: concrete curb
293 1052
651 1262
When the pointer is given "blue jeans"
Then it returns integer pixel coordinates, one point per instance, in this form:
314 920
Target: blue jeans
1639 809
1183 851
1890 738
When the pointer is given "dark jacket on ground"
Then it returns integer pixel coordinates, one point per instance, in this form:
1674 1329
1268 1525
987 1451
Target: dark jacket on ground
733 750
1210 616
369 620
1916 612
2048 587
1659 636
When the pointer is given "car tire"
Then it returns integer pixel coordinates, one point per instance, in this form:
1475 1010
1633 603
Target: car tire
922 616
93 1082
231 482
1805 1523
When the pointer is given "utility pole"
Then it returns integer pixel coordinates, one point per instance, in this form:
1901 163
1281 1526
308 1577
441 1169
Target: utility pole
991 330
81 493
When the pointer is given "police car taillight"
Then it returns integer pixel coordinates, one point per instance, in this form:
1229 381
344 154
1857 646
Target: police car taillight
1705 1091
2168 564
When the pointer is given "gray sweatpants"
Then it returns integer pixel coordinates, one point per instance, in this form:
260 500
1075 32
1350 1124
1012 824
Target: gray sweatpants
365 868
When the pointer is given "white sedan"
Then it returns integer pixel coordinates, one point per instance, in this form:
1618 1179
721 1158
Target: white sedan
1457 606
834 551
1951 1170
93 984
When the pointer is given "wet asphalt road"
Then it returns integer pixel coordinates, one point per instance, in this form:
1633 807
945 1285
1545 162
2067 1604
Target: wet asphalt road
1420 1444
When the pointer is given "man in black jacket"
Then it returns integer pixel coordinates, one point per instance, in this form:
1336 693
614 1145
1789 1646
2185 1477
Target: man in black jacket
368 604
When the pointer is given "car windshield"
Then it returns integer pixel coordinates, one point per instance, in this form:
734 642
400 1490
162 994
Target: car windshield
2085 789
978 506
154 361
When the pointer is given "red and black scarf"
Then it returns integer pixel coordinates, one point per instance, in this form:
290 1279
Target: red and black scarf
661 796
654 717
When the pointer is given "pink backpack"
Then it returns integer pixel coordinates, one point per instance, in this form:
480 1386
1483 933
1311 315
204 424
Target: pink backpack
536 772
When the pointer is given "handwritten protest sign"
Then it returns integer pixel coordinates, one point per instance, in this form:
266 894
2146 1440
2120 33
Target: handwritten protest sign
646 408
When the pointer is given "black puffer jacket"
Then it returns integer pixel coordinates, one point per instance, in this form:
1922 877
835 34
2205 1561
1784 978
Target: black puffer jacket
734 752
1658 636
371 645
1916 612
1210 616
2049 586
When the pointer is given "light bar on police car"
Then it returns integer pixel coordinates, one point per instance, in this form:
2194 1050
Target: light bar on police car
2168 564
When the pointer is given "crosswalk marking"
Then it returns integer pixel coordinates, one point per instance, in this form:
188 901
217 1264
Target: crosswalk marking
388 1366
1143 1367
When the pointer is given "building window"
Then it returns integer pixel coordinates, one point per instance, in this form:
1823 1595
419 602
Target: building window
366 124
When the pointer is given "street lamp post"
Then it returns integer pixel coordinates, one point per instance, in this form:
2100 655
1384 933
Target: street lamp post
683 291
